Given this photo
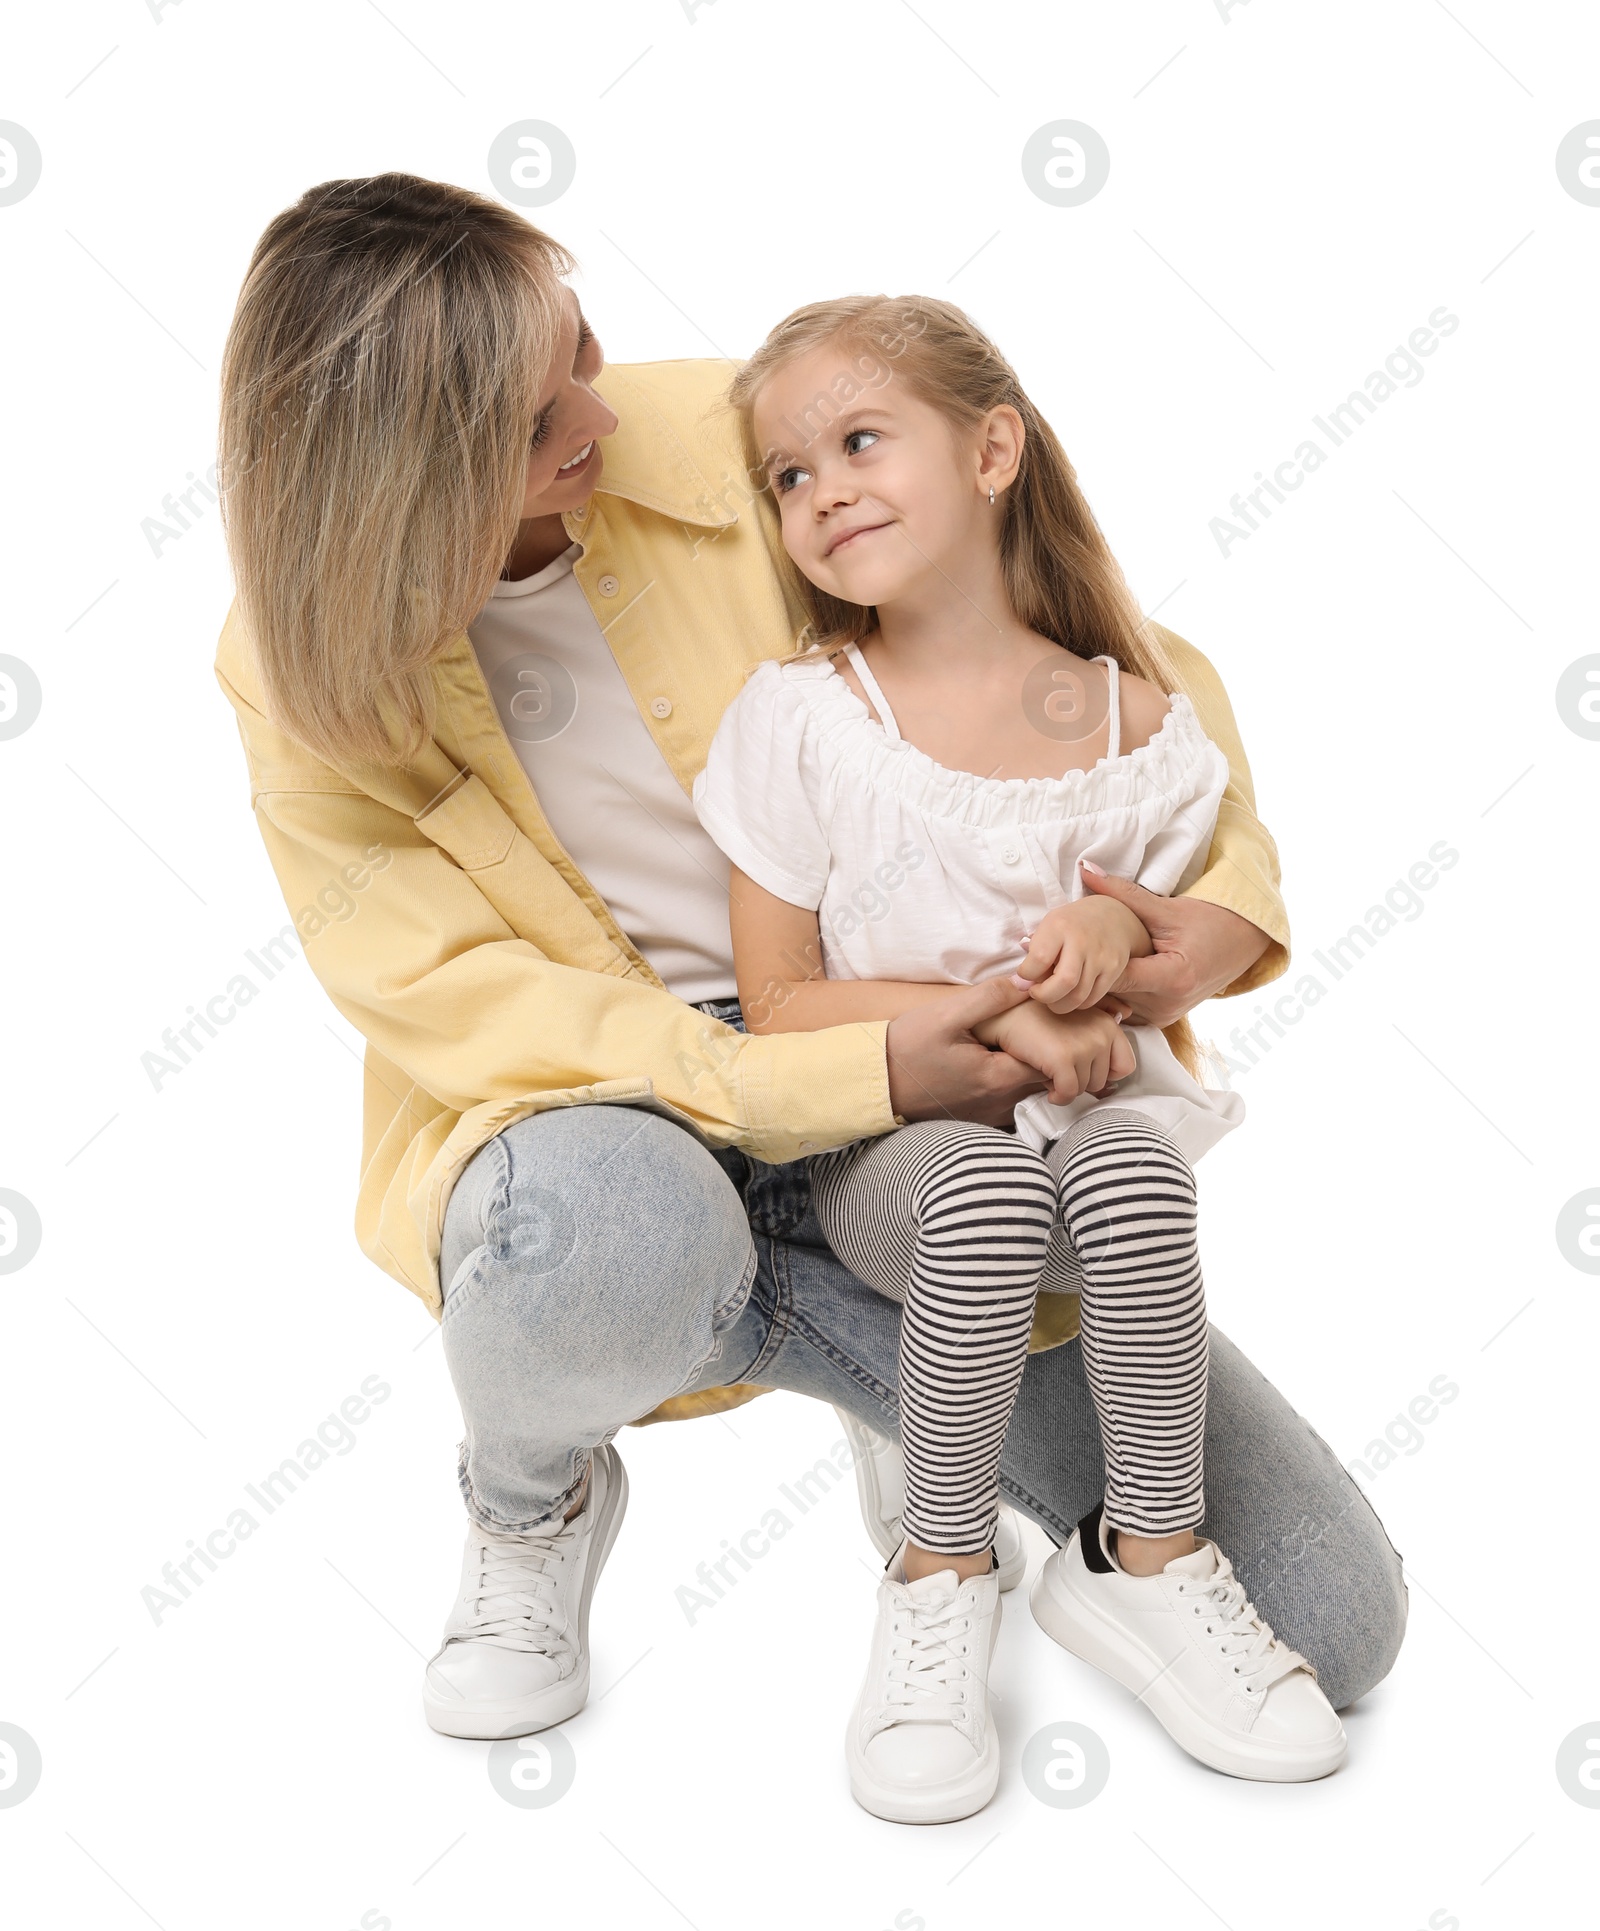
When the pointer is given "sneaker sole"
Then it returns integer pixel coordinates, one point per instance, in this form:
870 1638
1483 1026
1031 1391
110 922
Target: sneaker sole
884 1530
1083 1629
488 1722
947 1803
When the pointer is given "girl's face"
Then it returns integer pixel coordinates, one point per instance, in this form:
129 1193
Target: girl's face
880 495
564 460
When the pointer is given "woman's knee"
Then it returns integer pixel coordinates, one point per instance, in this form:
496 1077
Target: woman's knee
1301 1531
593 1233
1349 1599
1382 1619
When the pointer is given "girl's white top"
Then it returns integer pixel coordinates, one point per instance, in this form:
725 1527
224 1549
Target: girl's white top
918 872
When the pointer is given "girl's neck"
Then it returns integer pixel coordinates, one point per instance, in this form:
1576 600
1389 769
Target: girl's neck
950 630
956 616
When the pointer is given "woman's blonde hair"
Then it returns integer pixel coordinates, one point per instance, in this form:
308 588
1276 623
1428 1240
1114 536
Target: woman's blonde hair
380 387
1058 570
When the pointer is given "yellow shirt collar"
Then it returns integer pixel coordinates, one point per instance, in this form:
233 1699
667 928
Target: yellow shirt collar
647 461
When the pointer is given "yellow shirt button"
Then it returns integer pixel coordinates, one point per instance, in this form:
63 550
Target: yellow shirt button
661 707
608 586
808 1146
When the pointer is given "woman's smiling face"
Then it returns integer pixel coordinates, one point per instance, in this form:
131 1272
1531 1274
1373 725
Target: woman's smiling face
564 458
871 491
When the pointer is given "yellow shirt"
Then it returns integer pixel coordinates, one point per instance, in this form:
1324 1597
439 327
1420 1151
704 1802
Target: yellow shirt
487 977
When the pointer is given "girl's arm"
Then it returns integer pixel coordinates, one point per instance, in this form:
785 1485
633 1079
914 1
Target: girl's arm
777 957
778 962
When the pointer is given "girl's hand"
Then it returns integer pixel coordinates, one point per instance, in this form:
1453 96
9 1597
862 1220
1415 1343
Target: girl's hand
938 1070
1081 1052
1078 952
1200 950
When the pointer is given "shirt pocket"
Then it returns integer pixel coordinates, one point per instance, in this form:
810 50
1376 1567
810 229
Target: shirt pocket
469 825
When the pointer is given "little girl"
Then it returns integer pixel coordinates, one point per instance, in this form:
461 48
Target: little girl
910 803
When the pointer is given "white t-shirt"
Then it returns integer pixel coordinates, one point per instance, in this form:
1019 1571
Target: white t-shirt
604 786
922 873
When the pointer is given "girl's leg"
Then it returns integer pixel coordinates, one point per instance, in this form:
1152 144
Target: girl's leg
954 1220
1127 1200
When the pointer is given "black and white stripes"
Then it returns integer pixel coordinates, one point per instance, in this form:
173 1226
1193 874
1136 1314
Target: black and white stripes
1128 1222
963 1224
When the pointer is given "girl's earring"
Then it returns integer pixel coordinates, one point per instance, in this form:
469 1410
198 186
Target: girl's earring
991 496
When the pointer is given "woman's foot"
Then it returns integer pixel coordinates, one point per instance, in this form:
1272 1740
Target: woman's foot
515 1656
921 1747
1193 1649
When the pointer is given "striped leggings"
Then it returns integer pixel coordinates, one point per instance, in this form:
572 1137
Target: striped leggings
964 1224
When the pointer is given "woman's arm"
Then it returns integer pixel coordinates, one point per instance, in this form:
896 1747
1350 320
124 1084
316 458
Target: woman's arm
1200 951
778 961
447 939
1229 931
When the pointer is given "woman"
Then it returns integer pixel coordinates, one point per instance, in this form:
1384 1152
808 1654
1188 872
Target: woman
491 607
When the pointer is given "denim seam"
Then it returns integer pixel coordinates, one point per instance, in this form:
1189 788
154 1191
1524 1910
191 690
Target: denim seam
736 1307
1034 1506
485 1520
830 1351
781 1322
730 1309
495 1200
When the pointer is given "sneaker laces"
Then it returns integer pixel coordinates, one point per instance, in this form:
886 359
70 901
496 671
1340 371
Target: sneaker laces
925 1677
1261 1658
515 1605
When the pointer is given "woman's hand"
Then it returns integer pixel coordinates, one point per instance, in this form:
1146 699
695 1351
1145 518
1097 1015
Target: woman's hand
1077 1052
1199 949
1078 952
940 1070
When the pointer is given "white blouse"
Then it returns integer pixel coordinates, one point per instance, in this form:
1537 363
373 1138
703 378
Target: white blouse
921 873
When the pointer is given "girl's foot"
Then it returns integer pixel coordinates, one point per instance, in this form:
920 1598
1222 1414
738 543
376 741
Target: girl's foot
921 1747
1194 1650
881 1486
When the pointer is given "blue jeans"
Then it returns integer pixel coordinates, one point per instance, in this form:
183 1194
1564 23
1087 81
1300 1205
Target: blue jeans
597 1259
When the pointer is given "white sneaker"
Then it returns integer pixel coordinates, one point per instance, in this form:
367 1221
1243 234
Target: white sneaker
881 1486
921 1746
515 1656
1194 1650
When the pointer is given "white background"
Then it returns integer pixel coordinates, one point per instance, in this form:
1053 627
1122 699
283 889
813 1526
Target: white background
1293 190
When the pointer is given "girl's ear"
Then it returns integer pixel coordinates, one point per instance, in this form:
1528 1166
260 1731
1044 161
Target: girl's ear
1000 439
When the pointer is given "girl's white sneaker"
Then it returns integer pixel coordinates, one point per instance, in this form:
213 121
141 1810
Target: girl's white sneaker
1193 1648
921 1747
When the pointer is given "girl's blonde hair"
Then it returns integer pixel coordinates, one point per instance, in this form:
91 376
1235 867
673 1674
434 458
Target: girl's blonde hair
1059 573
380 387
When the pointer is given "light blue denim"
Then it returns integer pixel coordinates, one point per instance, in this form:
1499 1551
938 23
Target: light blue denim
598 1259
